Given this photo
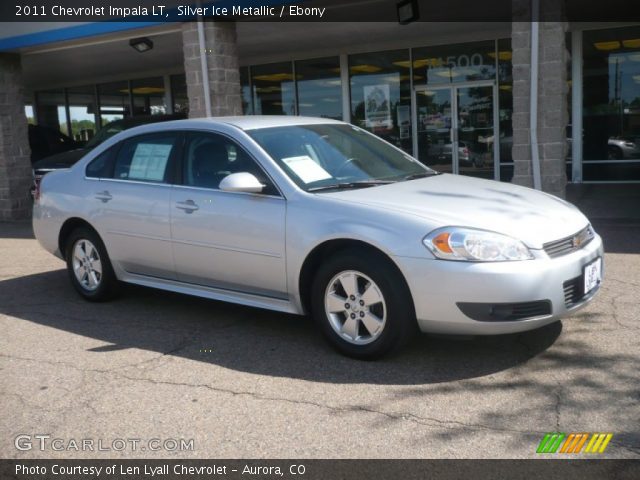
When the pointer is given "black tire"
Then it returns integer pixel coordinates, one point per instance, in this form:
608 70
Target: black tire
400 324
108 284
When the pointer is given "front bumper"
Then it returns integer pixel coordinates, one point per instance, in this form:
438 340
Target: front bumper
438 286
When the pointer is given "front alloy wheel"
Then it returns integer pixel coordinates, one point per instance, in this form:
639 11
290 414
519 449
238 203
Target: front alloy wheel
355 307
362 304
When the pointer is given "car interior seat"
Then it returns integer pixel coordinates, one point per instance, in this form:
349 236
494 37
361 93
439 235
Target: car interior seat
210 164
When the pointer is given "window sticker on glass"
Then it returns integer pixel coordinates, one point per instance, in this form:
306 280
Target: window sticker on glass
306 168
149 161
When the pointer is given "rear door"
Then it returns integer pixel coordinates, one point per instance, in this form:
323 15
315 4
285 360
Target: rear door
131 204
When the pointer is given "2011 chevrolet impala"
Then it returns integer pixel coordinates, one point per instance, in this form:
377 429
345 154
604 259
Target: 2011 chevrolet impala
308 215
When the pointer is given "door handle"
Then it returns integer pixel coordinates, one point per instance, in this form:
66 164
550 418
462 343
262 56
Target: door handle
105 196
189 206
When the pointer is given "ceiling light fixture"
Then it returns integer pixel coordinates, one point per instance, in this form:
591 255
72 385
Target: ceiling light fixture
407 11
141 45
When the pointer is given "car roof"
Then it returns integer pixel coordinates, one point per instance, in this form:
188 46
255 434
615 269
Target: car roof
253 122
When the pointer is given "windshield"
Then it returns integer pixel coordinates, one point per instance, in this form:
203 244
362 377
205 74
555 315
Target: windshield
321 156
108 131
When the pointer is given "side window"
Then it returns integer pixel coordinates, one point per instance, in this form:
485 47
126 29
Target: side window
208 158
100 166
146 158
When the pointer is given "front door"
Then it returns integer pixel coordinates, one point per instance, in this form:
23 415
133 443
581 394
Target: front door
454 130
233 241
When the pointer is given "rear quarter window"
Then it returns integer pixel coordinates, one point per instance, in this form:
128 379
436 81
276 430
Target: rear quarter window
100 166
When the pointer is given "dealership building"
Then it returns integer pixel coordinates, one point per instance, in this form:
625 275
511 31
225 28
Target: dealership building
462 97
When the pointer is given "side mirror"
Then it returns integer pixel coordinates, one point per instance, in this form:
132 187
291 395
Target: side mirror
241 182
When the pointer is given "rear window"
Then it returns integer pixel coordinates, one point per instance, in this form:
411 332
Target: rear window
145 158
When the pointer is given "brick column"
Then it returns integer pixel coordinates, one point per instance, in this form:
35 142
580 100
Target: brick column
521 61
222 62
15 164
553 107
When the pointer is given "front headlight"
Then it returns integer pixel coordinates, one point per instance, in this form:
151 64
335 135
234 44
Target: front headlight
471 245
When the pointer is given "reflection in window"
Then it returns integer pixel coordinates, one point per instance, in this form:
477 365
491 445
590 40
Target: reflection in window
319 90
28 111
475 131
51 110
381 95
82 109
179 95
505 108
114 101
569 129
245 90
273 89
465 62
611 108
148 96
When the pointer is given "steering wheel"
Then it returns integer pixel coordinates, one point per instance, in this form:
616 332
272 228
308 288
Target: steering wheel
344 164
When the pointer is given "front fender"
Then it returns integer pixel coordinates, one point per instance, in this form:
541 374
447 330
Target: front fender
313 222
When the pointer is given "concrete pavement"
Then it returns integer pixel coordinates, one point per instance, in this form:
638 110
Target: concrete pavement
243 382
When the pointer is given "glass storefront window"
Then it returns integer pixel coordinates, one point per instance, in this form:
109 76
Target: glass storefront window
381 95
51 110
148 96
505 108
273 89
114 101
245 91
179 95
319 87
611 104
443 64
569 129
82 109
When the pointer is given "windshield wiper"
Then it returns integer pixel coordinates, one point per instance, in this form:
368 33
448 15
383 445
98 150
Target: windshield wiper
351 185
415 176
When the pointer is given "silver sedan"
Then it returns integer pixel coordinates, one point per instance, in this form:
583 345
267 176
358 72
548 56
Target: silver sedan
315 216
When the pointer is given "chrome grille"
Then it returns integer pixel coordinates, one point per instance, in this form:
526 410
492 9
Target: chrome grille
570 244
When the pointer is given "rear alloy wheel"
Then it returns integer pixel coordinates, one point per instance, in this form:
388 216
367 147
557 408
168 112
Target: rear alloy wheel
362 305
89 267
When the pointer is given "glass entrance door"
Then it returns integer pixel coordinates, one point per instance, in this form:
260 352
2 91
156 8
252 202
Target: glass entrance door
455 129
434 134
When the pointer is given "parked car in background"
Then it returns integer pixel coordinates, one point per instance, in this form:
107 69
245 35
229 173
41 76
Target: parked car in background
309 215
446 150
623 148
45 141
67 158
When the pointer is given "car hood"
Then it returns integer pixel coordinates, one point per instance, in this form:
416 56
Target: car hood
454 200
60 160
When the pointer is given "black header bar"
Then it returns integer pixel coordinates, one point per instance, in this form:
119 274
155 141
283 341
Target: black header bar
401 11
